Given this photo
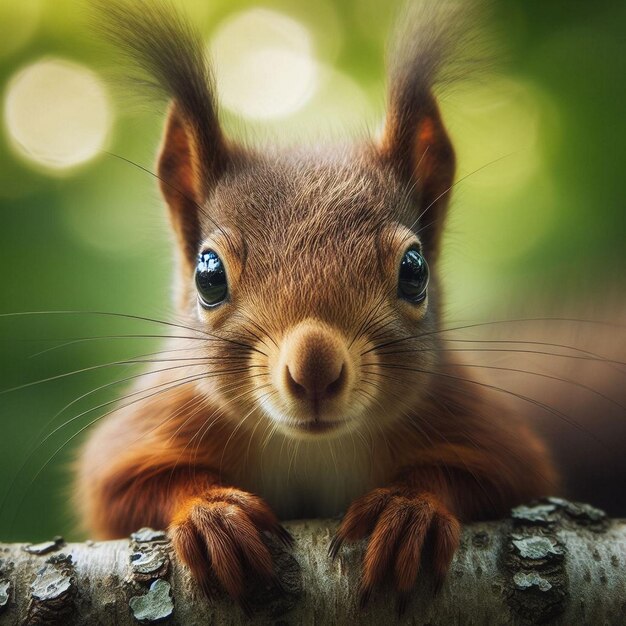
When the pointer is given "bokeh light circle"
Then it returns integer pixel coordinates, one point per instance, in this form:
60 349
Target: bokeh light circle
57 114
264 64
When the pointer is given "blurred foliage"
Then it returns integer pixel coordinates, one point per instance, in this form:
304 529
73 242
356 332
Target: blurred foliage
542 217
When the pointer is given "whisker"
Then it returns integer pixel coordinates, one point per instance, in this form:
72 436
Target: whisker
414 421
174 188
78 340
250 440
260 329
80 431
549 377
454 184
531 343
379 331
365 324
382 430
199 407
36 447
193 377
133 361
509 350
273 428
229 403
197 402
520 396
240 423
132 317
492 323
220 389
114 314
208 424
519 342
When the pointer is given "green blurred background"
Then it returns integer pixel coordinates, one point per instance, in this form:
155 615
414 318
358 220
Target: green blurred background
541 221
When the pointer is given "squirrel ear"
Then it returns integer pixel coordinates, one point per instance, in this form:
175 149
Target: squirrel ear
168 57
417 145
186 177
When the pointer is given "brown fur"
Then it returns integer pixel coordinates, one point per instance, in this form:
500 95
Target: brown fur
312 243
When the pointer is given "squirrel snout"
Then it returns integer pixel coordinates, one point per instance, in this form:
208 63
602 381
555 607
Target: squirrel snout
315 363
315 383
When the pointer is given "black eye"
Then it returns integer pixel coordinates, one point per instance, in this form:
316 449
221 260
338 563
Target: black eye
413 277
211 278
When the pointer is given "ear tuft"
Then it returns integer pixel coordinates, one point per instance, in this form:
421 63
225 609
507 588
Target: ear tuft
435 43
169 55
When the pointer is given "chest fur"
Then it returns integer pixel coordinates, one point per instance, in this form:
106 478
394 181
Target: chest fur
310 479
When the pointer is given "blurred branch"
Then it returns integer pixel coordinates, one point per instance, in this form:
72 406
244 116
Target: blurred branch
555 562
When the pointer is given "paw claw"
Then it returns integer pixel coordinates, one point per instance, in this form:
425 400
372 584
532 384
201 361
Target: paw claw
399 521
402 603
335 546
285 537
215 536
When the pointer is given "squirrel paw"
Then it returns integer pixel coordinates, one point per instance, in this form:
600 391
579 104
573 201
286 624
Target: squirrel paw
400 521
220 532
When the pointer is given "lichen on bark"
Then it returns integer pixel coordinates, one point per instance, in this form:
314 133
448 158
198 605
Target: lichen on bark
551 562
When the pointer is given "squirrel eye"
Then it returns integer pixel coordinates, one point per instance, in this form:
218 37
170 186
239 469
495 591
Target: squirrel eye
211 279
413 277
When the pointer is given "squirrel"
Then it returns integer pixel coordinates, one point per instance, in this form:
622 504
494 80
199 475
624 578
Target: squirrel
311 377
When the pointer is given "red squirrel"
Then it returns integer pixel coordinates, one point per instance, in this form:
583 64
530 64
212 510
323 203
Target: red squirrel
311 376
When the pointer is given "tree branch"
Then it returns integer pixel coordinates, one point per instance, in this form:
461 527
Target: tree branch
552 562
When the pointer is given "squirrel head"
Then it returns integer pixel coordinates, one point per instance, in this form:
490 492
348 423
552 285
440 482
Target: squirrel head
313 273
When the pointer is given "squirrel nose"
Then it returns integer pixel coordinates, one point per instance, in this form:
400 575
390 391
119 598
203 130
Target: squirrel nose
315 385
316 364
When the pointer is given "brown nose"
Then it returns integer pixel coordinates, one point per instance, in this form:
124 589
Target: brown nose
316 364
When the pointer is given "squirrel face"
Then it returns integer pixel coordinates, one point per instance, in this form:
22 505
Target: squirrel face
313 266
303 270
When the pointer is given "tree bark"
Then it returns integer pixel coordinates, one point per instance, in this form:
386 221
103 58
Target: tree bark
552 562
